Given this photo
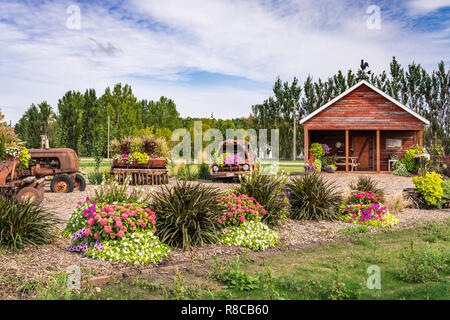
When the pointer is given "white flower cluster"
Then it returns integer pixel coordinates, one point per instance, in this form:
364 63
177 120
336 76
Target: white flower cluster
251 234
137 248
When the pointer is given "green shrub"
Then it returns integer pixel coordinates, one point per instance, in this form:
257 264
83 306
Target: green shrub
96 177
366 183
313 198
317 150
446 188
430 187
269 191
409 159
203 172
25 224
433 231
318 165
401 170
424 264
187 214
234 276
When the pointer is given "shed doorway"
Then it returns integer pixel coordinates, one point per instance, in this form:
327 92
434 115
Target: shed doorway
363 149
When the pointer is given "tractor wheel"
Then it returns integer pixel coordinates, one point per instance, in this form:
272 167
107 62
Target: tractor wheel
29 194
62 183
80 183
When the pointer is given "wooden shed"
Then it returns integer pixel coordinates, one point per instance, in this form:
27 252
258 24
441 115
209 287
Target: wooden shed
363 127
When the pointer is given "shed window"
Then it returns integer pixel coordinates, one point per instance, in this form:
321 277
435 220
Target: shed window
393 143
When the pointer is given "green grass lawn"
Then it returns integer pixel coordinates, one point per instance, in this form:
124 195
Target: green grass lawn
89 165
335 271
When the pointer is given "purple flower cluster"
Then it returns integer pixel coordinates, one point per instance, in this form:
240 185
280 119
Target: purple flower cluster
326 149
283 198
79 243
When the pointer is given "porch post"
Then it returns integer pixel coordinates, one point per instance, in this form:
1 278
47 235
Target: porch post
346 149
378 151
420 139
306 141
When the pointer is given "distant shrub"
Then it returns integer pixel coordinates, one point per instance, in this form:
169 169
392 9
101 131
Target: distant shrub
187 214
313 198
96 177
316 150
25 224
203 172
186 172
401 170
424 264
409 159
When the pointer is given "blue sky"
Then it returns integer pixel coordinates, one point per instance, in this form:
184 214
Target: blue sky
210 56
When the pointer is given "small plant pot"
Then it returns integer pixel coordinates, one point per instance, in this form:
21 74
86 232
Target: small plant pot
157 162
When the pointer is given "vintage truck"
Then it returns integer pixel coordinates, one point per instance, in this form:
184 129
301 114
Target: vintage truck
233 158
61 163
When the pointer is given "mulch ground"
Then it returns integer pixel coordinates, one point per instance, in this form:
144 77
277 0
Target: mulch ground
37 263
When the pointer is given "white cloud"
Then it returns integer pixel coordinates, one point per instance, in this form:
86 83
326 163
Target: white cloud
426 6
41 58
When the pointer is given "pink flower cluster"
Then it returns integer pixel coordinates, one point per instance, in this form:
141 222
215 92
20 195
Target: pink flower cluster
363 212
239 209
233 159
111 221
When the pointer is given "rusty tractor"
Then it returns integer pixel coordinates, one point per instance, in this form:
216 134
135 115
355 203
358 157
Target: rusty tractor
60 163
23 188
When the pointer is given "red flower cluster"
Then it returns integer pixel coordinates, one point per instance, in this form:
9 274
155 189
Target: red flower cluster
239 209
111 221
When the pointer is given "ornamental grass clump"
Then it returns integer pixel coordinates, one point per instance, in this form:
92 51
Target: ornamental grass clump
268 190
25 224
313 198
366 183
187 214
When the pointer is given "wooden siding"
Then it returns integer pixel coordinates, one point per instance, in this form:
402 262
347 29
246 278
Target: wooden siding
364 109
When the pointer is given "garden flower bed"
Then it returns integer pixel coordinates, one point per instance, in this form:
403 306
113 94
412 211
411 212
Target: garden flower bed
242 223
369 210
115 232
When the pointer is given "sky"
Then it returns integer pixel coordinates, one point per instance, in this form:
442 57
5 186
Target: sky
215 57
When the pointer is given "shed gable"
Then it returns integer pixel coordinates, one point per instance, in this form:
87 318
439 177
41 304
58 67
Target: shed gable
364 108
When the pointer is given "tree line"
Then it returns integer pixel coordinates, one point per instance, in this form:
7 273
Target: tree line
80 121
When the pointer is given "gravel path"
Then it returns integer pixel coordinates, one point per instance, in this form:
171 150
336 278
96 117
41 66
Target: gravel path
36 263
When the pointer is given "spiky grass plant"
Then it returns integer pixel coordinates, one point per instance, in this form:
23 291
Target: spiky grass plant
366 183
268 190
187 214
313 198
25 224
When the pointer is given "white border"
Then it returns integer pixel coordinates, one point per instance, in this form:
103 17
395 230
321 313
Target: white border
373 88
